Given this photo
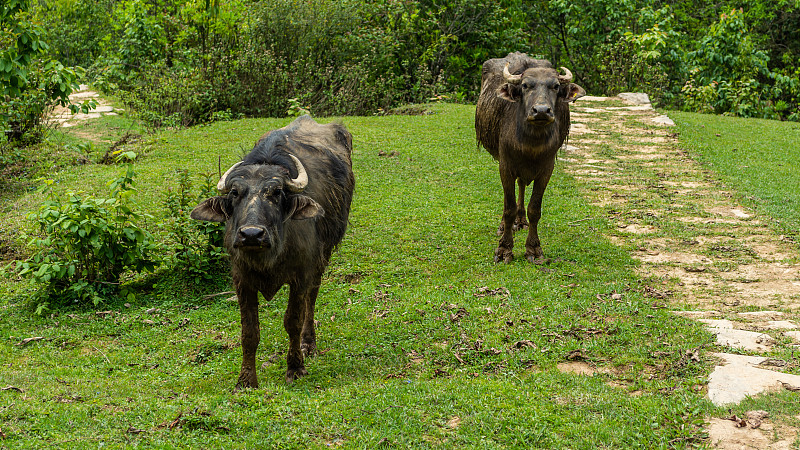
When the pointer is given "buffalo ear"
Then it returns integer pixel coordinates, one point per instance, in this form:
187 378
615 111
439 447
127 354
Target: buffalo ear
507 92
211 210
574 92
306 208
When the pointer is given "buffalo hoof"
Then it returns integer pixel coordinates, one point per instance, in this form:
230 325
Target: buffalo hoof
534 255
308 349
503 254
295 374
247 379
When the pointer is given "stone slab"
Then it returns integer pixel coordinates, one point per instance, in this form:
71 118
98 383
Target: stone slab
760 315
739 378
794 335
664 120
591 98
636 98
721 324
746 340
695 314
780 325
646 107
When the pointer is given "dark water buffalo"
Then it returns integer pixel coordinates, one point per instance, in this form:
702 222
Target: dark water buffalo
285 208
522 118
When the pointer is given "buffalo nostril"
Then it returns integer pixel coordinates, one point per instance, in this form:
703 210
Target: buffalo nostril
542 109
251 233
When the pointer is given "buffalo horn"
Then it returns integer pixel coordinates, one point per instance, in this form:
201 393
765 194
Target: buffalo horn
299 183
513 79
566 78
221 184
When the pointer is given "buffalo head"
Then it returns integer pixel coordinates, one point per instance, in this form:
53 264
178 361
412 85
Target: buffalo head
539 89
258 200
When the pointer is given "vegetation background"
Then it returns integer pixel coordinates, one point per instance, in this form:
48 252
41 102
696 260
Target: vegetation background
182 62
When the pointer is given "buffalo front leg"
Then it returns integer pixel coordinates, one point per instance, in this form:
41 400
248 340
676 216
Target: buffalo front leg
293 323
533 247
505 246
308 344
251 334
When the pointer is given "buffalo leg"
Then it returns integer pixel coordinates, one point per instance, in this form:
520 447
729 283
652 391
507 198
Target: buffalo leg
293 323
520 223
251 334
308 343
506 244
533 247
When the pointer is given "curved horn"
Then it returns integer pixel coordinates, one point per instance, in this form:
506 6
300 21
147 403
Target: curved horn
513 79
299 183
224 177
566 78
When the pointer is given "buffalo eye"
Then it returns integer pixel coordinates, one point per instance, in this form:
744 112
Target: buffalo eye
525 86
234 193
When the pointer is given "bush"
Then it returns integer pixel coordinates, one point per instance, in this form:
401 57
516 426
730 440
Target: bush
86 244
196 247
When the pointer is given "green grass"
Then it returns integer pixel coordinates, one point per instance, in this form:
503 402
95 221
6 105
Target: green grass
759 158
418 327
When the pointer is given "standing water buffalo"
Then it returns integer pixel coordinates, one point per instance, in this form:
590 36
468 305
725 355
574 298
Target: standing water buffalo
285 208
522 118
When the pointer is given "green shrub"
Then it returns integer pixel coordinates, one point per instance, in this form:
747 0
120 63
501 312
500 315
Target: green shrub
196 247
85 244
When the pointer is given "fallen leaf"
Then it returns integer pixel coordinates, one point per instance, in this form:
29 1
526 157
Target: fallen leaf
29 340
458 357
2 435
152 311
134 430
12 388
575 355
524 343
790 387
458 315
738 421
754 418
103 313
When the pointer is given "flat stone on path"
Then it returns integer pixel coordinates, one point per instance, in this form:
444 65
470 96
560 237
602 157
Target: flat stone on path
739 378
664 120
780 325
636 98
591 98
794 335
760 315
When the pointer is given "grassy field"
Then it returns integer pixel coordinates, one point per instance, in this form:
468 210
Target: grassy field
758 158
425 342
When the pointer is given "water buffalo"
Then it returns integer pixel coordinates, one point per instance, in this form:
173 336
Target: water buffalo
522 118
285 208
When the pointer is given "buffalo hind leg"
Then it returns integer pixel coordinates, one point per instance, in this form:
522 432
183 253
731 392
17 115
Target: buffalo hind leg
293 323
308 344
533 247
505 246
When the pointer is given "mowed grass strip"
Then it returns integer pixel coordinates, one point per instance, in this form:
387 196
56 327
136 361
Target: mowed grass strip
759 158
424 341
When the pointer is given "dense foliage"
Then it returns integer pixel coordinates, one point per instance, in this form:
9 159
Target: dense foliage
178 62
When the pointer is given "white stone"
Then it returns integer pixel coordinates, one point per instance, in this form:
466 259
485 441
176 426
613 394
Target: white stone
646 107
101 109
720 324
747 340
740 214
695 314
636 98
570 148
780 325
664 120
739 378
593 110
589 98
794 335
760 315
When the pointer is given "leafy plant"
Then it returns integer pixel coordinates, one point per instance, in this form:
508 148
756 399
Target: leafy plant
197 247
85 244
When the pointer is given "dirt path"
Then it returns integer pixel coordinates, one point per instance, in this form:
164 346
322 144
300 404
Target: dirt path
715 260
